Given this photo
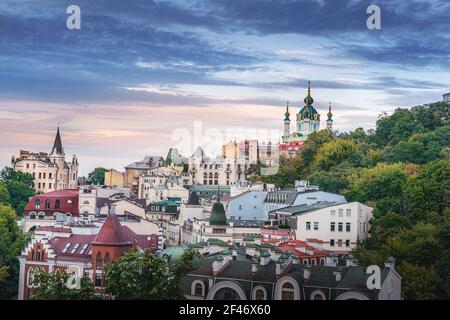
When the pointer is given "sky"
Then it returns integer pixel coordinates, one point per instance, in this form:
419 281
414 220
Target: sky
142 76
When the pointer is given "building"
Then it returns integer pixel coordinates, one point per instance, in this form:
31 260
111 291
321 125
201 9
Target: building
226 273
114 178
206 193
163 182
446 97
82 252
50 171
247 206
166 215
134 170
339 225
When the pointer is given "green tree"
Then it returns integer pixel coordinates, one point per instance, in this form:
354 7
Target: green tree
11 243
381 187
20 188
420 283
97 176
54 286
5 198
429 191
333 153
140 275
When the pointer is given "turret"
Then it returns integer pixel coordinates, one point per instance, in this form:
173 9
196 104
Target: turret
287 123
329 118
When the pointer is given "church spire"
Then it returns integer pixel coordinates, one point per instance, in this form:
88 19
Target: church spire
329 118
57 145
287 114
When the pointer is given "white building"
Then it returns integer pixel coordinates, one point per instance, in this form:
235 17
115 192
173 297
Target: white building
446 97
339 226
163 182
51 171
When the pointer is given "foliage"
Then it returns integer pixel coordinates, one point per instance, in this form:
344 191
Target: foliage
20 188
54 286
11 243
5 198
97 176
141 275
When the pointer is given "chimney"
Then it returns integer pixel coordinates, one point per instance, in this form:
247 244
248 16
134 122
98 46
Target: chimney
331 260
390 263
220 263
306 274
338 274
350 261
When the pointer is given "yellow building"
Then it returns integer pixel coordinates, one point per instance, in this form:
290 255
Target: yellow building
114 178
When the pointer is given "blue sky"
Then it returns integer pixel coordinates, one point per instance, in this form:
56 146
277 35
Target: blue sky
138 70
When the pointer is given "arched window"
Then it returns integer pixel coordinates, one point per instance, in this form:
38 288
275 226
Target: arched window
318 295
313 261
57 204
107 259
210 175
198 289
99 260
30 276
287 291
38 252
37 203
41 215
32 215
47 204
322 262
259 294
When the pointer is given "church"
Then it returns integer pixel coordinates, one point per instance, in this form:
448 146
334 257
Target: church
307 121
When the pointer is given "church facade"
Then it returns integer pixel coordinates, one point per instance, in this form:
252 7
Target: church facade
307 121
50 171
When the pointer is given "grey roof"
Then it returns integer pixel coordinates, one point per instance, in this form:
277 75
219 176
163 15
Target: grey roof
247 223
148 162
57 144
305 208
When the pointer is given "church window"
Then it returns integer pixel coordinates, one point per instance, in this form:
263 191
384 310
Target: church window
99 260
107 259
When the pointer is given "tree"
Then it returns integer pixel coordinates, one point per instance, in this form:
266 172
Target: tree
5 198
20 187
54 286
139 274
429 190
420 283
333 153
381 187
11 243
97 176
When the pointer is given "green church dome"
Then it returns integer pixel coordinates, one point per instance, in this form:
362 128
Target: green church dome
218 216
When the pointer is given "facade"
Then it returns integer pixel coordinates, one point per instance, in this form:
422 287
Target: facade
114 178
339 226
165 214
134 170
446 97
82 253
50 171
163 182
247 206
232 274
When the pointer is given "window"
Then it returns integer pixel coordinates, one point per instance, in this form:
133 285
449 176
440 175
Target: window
364 227
340 227
287 291
332 243
348 212
47 204
318 295
340 243
99 260
57 204
83 249
66 247
347 243
50 176
98 280
41 215
308 225
33 215
49 185
107 259
37 203
198 289
341 212
44 175
75 247
333 226
260 295
40 175
347 227
316 225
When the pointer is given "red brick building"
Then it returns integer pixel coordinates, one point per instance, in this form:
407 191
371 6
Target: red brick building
82 254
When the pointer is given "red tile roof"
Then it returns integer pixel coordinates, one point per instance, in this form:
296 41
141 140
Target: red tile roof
112 233
68 202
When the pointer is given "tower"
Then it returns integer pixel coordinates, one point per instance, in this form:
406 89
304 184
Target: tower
287 123
57 157
308 119
329 118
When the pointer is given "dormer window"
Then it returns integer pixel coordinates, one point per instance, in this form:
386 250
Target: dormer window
57 204
37 203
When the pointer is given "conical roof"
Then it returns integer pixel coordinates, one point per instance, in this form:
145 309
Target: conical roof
57 144
111 233
218 216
